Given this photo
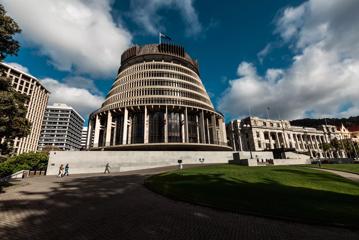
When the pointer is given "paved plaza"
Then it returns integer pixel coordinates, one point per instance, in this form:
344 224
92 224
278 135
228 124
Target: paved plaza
118 206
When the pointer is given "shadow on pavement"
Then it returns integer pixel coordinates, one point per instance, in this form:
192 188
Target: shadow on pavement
119 207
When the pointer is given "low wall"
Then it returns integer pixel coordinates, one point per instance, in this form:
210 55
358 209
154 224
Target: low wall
299 161
257 155
293 155
271 162
121 161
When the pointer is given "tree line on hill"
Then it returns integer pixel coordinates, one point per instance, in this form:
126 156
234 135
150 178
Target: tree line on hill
309 122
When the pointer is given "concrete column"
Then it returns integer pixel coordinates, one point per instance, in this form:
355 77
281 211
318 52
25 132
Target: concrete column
108 129
285 139
222 127
115 131
125 123
201 127
145 129
89 134
97 131
298 141
209 136
303 143
166 125
197 128
186 125
279 145
214 128
183 127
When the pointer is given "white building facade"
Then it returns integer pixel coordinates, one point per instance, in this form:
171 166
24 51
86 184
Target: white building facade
62 127
83 137
256 134
28 85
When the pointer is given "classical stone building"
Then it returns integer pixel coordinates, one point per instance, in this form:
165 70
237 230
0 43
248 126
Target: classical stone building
256 134
26 84
61 127
157 102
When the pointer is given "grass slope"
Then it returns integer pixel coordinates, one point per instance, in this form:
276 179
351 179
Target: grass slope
289 192
354 168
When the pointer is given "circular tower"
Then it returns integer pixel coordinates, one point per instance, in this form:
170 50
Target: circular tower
157 102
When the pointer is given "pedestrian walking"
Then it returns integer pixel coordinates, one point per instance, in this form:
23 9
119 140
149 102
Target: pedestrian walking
61 170
66 170
319 163
107 168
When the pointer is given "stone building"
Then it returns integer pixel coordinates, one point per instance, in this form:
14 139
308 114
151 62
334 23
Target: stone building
256 134
61 127
29 85
157 102
83 137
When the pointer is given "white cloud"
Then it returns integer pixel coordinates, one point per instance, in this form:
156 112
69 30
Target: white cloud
145 13
77 35
18 66
264 52
323 77
79 98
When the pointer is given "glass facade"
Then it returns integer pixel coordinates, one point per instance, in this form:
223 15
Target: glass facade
156 127
174 127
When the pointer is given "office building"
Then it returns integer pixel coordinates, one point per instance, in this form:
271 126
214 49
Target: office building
27 84
61 127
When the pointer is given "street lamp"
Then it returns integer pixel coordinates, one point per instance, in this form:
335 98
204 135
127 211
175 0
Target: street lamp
248 143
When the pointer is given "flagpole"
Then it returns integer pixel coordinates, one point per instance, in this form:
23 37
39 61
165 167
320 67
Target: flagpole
159 38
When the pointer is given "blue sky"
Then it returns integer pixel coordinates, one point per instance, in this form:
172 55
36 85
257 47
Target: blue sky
294 56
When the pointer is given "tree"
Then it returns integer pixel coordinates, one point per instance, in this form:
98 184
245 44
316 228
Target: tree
13 122
8 28
326 147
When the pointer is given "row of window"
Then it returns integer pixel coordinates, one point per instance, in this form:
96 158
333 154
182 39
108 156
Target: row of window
128 81
164 101
157 65
156 92
157 82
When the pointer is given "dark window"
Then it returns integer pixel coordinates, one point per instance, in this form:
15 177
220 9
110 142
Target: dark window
137 127
192 128
156 127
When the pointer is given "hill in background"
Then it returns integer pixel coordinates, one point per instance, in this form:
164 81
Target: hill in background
351 122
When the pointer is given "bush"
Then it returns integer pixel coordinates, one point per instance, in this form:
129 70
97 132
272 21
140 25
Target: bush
25 161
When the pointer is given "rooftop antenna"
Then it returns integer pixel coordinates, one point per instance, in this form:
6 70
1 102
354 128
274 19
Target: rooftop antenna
164 36
267 109
249 110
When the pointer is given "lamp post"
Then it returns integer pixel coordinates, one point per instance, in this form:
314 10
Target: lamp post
248 142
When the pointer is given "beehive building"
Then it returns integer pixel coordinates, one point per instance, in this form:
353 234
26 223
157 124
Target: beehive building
157 102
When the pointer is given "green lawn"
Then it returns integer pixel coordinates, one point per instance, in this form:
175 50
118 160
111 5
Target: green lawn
342 167
289 192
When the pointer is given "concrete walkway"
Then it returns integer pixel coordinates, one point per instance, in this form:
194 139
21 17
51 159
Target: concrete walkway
351 176
118 206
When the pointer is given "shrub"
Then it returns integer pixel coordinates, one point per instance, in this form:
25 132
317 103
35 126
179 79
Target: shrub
25 161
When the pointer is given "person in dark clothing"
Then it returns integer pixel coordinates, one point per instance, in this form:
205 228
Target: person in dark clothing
66 170
107 168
